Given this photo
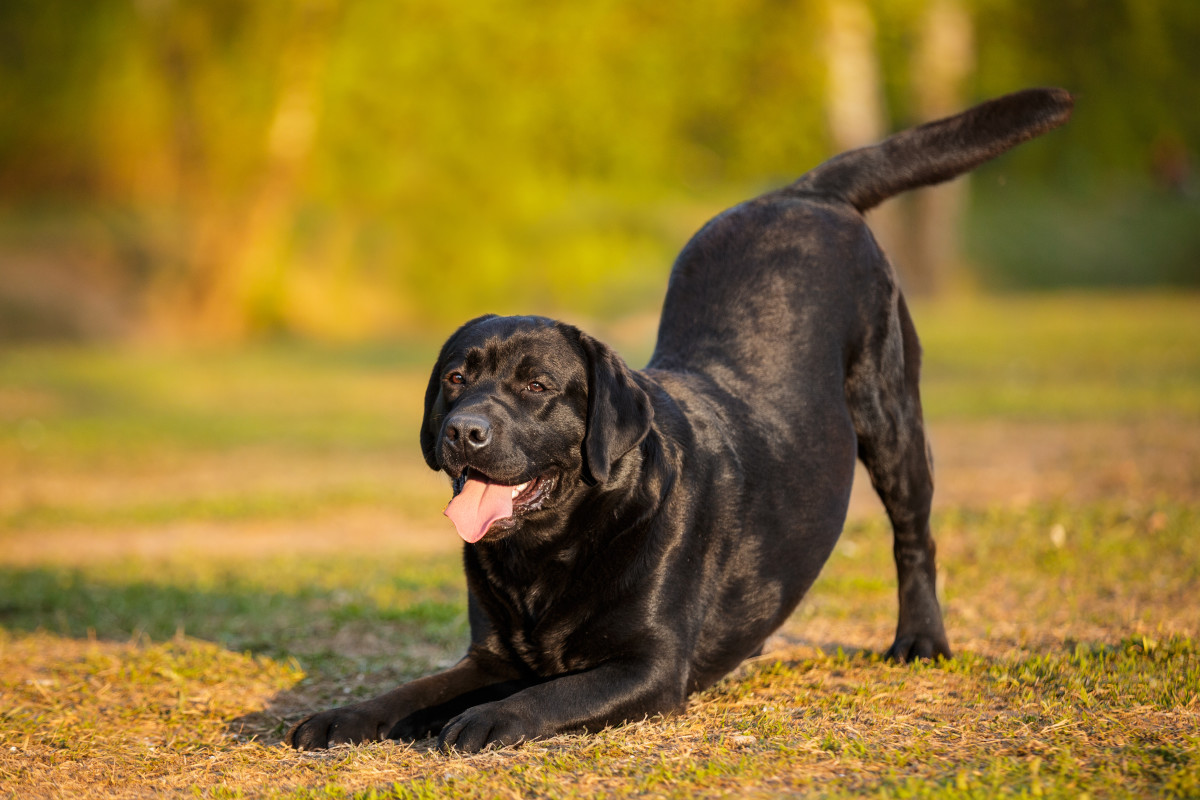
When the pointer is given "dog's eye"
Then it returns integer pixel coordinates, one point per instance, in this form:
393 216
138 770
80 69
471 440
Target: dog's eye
534 386
456 378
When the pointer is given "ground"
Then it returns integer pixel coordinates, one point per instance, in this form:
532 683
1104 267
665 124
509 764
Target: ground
197 548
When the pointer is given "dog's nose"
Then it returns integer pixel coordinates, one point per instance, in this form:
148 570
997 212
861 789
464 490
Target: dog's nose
470 432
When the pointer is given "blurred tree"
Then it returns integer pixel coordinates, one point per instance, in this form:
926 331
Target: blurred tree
943 60
855 103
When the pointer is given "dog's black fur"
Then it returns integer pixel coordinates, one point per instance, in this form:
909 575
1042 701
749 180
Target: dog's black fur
678 514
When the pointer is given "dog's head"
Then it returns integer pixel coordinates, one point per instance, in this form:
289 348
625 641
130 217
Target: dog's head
524 413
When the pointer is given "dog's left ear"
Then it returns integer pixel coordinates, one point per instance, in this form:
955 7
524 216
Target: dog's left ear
619 413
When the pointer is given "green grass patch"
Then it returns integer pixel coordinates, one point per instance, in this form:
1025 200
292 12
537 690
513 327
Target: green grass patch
1073 357
99 405
1082 356
231 505
282 606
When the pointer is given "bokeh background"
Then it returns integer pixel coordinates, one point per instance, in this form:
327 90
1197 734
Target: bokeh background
234 234
217 170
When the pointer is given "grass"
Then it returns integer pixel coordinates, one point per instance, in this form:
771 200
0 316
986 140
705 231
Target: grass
1056 357
197 548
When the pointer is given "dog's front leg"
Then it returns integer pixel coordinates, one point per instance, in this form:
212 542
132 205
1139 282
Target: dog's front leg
422 704
591 700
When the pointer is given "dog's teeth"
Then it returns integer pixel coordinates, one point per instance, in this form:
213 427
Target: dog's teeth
518 489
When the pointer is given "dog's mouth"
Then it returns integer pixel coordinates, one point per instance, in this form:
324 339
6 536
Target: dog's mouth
481 504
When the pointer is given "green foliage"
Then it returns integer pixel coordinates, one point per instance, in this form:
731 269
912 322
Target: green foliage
1128 63
1132 236
344 169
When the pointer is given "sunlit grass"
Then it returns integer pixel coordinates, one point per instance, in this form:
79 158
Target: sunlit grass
1091 356
100 403
1056 687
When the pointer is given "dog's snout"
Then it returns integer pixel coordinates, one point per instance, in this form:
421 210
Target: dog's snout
468 432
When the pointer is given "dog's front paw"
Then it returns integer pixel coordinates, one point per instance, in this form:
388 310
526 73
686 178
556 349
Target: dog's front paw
349 725
491 724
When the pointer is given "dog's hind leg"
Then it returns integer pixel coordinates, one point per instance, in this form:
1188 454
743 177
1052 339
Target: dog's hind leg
882 390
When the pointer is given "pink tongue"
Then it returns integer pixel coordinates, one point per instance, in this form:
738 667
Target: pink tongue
477 506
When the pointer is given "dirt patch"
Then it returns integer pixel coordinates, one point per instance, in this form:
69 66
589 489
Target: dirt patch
237 472
366 530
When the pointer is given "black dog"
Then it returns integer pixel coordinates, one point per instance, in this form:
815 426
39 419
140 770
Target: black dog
633 536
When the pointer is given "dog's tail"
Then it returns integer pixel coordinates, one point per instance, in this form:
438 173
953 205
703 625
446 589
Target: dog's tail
936 151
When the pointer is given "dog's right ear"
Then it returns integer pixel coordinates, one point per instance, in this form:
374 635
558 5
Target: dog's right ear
619 413
435 403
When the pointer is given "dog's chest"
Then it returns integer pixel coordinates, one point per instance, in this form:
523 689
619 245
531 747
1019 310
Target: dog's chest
539 621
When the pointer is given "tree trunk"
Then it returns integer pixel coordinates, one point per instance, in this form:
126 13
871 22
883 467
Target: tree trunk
856 107
940 67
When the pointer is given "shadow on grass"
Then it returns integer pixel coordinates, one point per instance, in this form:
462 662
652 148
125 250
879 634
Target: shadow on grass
357 639
351 641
